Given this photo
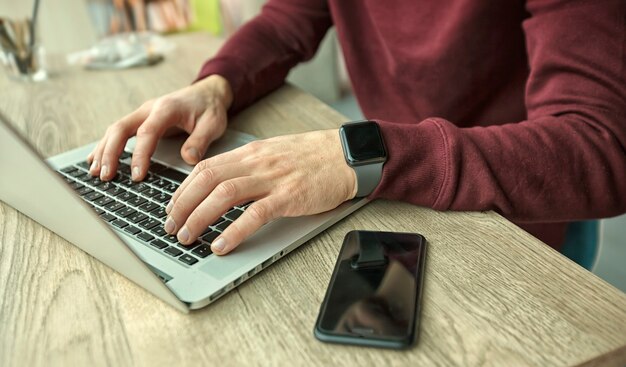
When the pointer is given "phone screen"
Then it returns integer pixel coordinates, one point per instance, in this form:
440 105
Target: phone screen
374 293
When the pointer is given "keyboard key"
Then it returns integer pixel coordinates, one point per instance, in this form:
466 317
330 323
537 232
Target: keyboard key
171 238
145 236
115 191
126 212
106 186
139 187
136 217
77 173
93 196
151 192
114 206
173 175
76 185
202 251
150 178
124 168
136 201
125 155
222 226
98 210
149 224
84 165
69 169
84 191
103 201
119 223
173 251
132 230
85 177
233 214
95 182
210 237
218 221
156 167
107 217
126 196
148 206
159 213
171 188
129 183
189 247
188 259
158 244
161 198
119 178
159 231
161 183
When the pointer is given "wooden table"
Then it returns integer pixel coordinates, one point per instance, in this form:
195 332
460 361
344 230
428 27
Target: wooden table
493 294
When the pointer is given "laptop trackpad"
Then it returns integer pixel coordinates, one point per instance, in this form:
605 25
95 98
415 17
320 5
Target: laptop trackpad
220 267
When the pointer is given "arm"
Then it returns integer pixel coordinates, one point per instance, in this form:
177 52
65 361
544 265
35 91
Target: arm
258 57
567 161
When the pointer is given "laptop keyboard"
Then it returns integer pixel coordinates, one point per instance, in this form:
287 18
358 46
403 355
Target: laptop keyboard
138 208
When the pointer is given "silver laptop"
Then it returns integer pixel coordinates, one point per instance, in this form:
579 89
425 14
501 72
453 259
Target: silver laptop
121 222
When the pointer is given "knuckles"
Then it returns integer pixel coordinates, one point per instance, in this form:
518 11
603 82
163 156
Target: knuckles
259 212
145 130
227 190
205 176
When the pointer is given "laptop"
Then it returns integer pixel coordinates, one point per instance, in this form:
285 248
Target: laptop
121 222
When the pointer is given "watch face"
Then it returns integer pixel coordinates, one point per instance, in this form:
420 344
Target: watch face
364 141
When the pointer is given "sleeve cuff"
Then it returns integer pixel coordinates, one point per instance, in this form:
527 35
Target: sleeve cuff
232 72
418 163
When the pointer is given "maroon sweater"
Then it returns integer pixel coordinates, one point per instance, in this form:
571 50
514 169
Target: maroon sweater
512 106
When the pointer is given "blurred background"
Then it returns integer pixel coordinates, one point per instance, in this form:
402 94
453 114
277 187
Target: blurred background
324 76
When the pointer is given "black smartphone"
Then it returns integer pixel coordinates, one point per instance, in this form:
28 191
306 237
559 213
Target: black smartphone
374 294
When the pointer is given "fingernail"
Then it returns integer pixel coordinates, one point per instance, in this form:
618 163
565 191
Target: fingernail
104 172
194 153
169 206
94 165
219 244
136 173
170 225
183 235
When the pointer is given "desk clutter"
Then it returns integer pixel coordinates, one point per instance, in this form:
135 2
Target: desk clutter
164 16
20 54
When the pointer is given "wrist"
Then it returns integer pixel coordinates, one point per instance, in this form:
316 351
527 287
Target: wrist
365 153
216 87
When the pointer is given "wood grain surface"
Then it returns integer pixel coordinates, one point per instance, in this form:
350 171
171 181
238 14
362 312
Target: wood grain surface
494 295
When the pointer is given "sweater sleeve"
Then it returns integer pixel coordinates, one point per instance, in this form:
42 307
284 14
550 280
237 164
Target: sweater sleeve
258 57
566 162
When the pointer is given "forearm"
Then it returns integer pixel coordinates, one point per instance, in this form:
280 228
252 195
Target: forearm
258 57
551 168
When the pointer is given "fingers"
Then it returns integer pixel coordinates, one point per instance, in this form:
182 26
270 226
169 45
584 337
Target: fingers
208 128
116 140
104 158
148 134
233 156
95 156
225 195
256 216
198 190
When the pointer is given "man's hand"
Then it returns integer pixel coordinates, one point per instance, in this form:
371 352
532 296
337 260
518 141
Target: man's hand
199 109
286 176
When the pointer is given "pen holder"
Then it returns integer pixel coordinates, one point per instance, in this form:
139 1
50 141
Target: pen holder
21 57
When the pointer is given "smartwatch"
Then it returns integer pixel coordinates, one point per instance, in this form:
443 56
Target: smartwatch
364 150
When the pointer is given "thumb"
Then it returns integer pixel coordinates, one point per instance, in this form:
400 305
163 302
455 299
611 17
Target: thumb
209 127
